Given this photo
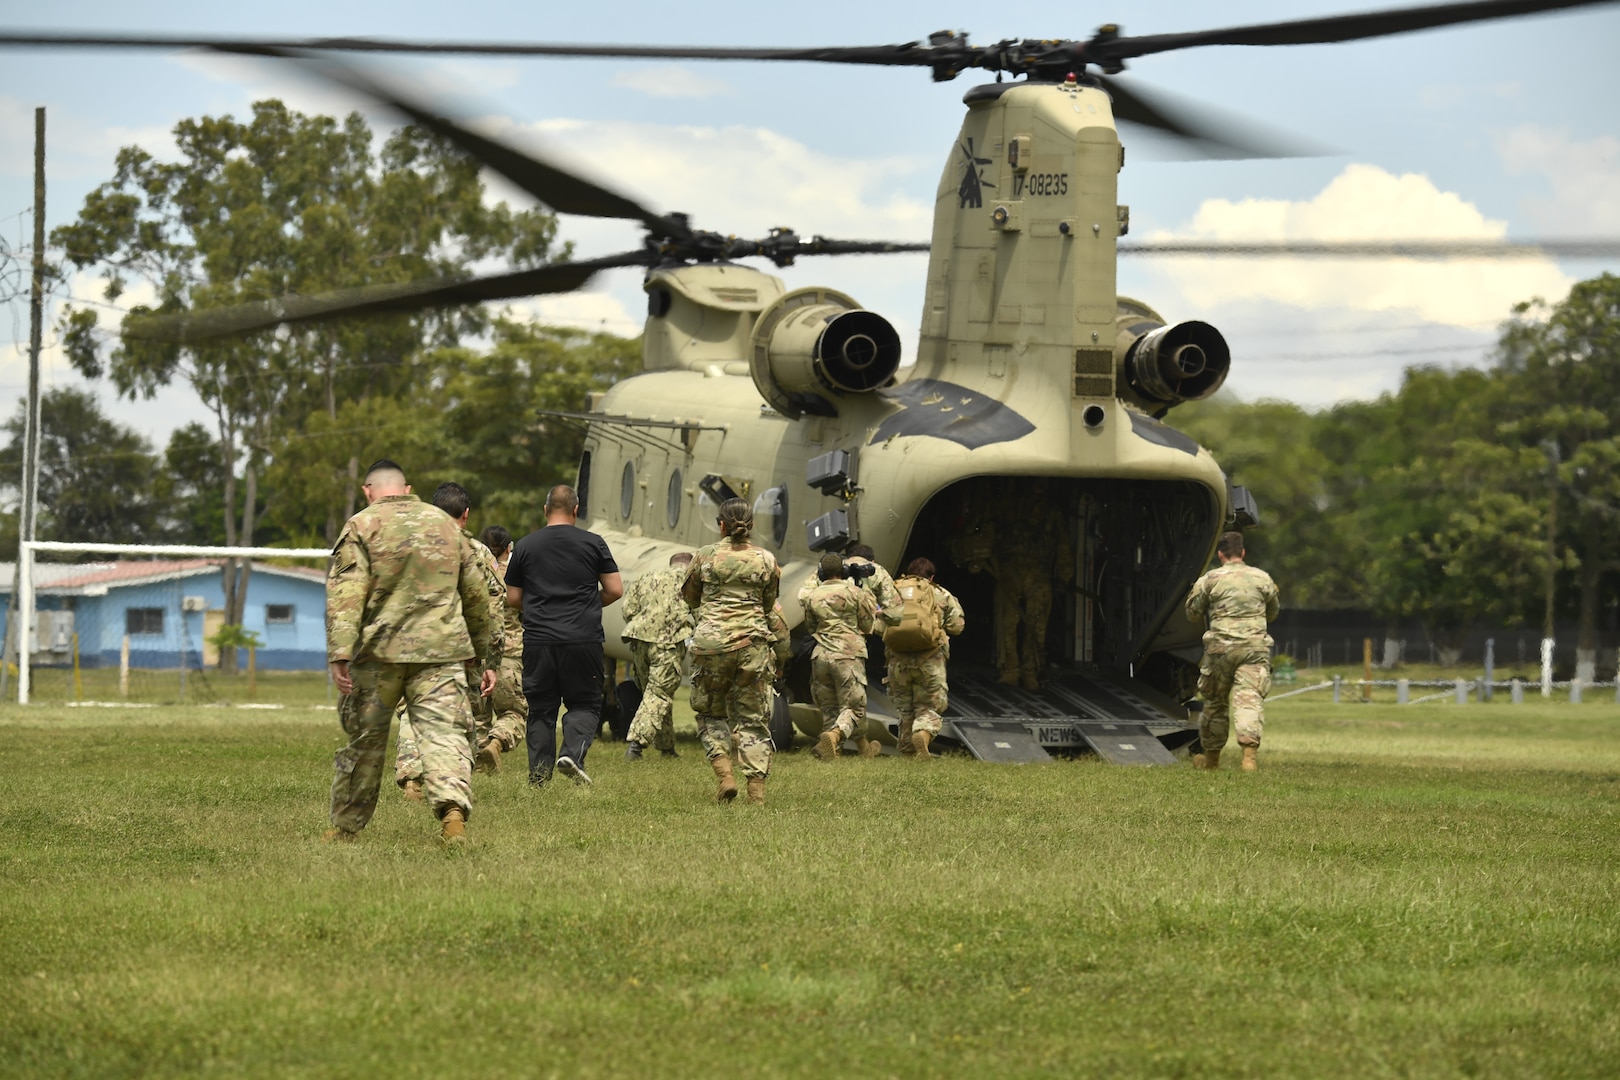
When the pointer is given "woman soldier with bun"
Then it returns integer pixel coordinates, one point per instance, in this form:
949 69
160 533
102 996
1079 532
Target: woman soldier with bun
732 588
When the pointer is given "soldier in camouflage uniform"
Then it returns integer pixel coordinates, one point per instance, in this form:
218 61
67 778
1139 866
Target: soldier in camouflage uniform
452 498
657 623
916 680
732 587
509 707
1031 549
838 614
1235 675
406 606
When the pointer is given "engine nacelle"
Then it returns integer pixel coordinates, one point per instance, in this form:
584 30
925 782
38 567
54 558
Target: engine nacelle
1166 365
813 345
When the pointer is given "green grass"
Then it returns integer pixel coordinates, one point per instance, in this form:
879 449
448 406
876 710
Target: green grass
147 686
1418 891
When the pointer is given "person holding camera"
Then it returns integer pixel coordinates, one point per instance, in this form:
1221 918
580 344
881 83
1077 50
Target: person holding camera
838 614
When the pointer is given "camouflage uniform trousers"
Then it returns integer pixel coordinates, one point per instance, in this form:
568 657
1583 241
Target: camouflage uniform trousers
437 697
917 689
838 687
1233 680
1022 594
508 709
731 694
407 755
656 669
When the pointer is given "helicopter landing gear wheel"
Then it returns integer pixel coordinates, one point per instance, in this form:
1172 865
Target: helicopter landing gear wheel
781 722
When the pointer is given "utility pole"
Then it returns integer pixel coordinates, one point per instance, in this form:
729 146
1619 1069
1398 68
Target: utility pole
1550 448
17 636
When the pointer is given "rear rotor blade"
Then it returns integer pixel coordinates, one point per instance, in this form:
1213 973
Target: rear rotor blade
398 297
1330 29
1379 249
1216 135
557 188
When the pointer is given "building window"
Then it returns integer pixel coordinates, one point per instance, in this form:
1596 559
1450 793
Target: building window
143 620
672 505
278 613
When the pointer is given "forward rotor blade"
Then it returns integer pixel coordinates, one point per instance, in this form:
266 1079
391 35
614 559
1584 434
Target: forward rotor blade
1379 249
1330 29
557 188
1217 135
401 297
910 53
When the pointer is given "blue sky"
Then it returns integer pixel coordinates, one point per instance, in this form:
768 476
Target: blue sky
1477 131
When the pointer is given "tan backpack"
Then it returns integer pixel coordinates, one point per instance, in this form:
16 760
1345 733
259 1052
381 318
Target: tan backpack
919 629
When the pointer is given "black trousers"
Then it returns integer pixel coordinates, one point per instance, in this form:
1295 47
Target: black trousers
567 675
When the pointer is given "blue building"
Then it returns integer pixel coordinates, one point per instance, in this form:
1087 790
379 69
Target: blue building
163 611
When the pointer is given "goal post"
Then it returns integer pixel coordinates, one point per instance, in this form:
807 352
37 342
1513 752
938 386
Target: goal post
136 624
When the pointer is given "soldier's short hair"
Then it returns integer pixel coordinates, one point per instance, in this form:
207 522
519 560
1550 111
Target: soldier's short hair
562 498
832 566
383 465
860 551
497 539
680 558
920 567
1230 544
452 498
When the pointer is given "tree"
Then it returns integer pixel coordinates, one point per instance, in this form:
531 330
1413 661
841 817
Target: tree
1563 361
96 476
283 204
472 417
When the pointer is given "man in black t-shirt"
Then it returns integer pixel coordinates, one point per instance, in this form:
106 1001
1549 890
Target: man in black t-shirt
562 577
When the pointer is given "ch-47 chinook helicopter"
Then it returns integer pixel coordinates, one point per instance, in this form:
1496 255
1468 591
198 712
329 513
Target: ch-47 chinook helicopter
1035 383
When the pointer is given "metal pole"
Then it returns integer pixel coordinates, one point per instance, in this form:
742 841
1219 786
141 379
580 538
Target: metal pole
1490 669
25 566
1546 666
30 477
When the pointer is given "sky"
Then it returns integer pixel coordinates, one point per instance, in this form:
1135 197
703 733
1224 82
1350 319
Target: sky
1484 131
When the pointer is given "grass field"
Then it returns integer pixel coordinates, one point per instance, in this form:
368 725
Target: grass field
1419 891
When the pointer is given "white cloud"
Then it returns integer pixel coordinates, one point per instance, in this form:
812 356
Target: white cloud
1583 178
74 148
671 82
1362 203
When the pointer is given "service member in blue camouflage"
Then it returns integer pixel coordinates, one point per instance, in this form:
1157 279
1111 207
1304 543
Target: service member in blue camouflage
732 586
406 606
1235 674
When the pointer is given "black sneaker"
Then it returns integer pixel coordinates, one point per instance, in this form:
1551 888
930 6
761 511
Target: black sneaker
568 768
537 780
632 751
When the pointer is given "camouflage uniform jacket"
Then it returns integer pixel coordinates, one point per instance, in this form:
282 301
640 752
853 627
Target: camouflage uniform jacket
497 592
781 639
511 617
731 589
654 609
404 588
879 585
839 615
1238 600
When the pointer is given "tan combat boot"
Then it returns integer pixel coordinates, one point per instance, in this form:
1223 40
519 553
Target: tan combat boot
920 740
489 758
1250 759
756 790
339 836
413 791
827 747
453 829
870 747
1209 759
728 784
